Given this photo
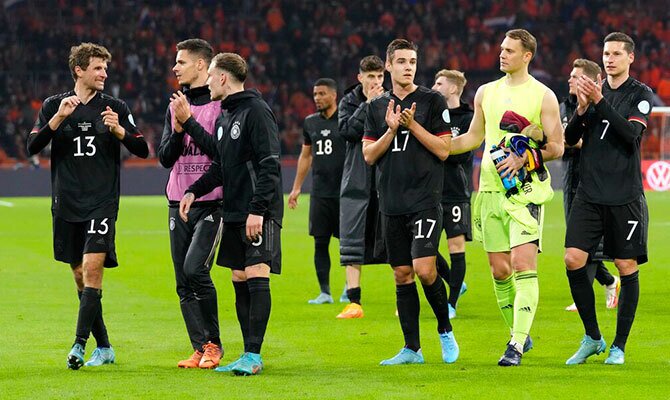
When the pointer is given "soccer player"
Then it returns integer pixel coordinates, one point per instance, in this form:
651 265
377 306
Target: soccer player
456 191
323 148
86 128
248 157
511 228
595 267
610 119
408 139
189 154
358 195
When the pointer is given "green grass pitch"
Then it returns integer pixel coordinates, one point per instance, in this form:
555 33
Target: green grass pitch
307 352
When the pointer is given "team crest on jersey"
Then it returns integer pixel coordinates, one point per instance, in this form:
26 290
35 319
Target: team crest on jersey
325 132
172 223
84 126
235 131
644 106
446 117
131 120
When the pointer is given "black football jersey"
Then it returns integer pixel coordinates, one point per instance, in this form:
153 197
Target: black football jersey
410 177
328 150
458 167
85 156
610 167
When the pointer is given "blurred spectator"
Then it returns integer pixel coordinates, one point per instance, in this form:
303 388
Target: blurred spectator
291 43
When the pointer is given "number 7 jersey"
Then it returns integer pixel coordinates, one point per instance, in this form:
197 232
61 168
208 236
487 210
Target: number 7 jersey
610 167
85 156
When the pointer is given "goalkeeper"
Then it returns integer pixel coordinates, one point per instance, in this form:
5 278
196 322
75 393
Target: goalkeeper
510 226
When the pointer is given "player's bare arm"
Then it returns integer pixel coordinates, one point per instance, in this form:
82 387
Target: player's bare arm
65 109
474 137
553 129
372 151
111 120
304 164
439 146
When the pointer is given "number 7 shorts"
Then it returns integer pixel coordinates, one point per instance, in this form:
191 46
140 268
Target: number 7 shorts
623 228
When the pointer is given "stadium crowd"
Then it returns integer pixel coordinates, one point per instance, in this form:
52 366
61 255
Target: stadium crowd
289 44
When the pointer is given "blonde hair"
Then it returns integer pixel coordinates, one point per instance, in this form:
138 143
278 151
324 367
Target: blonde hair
454 76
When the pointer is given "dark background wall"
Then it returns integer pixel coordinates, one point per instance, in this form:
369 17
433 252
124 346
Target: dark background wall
134 181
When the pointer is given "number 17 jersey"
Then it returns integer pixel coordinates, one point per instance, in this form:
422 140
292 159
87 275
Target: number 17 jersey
410 177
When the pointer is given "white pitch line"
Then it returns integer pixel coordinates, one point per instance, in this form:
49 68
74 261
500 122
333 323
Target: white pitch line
6 204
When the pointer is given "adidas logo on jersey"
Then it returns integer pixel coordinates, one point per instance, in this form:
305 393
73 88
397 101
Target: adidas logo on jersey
209 218
507 306
526 309
525 233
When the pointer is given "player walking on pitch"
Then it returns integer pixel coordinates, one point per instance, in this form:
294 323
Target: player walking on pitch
86 128
610 119
248 157
408 139
188 147
323 151
510 225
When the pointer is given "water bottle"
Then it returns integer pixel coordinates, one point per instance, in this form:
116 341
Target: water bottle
498 155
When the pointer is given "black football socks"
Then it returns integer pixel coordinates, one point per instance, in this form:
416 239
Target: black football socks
242 304
89 310
442 268
322 262
354 295
456 277
436 294
259 312
582 294
628 298
407 301
99 330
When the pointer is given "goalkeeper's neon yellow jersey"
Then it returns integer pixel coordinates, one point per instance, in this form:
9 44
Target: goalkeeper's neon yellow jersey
526 100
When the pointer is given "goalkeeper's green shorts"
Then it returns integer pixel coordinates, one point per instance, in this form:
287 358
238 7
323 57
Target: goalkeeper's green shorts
501 224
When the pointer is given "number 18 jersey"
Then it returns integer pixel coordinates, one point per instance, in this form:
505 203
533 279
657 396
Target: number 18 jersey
328 150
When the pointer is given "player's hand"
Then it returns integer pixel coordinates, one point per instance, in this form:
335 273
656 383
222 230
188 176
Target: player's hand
254 227
111 120
582 101
393 116
510 166
185 206
175 124
293 199
407 116
591 89
180 107
374 92
67 106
